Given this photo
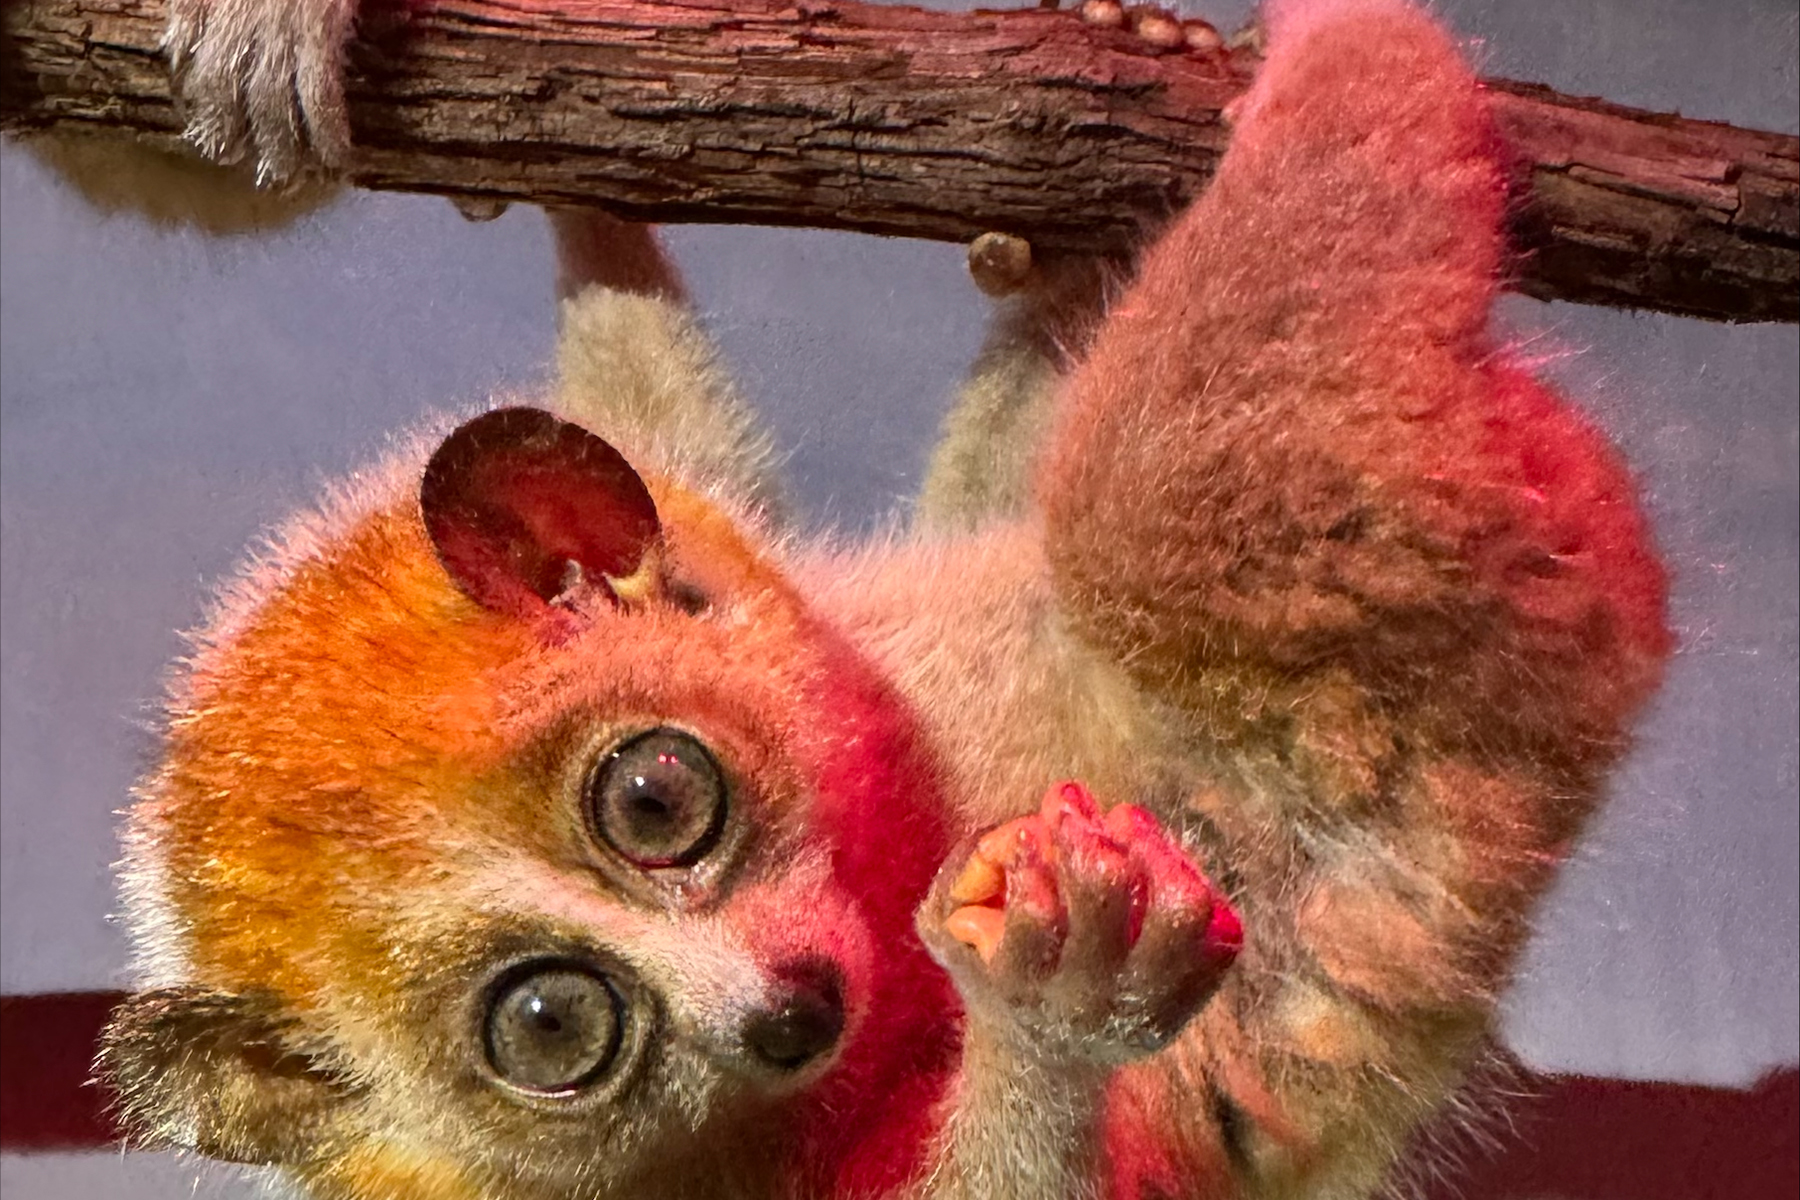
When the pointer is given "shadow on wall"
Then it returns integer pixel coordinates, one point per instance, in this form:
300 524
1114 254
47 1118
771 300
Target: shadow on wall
1571 1137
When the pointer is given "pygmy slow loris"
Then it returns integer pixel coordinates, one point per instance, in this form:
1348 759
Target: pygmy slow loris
533 821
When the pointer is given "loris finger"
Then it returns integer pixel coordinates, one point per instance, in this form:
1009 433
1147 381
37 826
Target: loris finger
1031 941
273 112
1190 936
981 891
1104 892
320 84
215 115
1069 800
1095 876
983 878
978 927
1092 872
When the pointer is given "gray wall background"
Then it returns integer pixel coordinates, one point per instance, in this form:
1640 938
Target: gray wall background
163 398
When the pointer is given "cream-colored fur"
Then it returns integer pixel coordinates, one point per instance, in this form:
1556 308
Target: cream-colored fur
982 467
639 371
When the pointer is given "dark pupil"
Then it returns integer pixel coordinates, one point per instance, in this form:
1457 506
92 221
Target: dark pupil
660 799
554 1030
648 805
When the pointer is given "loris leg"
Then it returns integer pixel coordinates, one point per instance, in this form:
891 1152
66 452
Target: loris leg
1044 312
1293 445
1403 594
635 366
1048 306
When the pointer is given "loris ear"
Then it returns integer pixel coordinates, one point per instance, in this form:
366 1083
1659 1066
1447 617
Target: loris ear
217 1074
523 507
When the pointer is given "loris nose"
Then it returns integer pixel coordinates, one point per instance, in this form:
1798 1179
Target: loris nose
803 1020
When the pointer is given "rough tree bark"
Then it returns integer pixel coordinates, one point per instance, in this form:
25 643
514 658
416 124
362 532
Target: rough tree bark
900 121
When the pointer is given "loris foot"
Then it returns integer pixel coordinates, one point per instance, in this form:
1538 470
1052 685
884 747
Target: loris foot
1155 26
1092 934
999 263
263 79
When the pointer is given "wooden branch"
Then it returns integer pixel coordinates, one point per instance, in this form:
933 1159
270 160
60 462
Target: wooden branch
893 120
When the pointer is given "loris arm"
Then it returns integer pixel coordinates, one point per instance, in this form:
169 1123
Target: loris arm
635 367
1403 593
1045 311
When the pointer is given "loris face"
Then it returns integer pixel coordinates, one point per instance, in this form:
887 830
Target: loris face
603 848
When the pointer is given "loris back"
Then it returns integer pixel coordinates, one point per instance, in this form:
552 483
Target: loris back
537 821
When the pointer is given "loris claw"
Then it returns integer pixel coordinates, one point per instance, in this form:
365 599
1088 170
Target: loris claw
1096 934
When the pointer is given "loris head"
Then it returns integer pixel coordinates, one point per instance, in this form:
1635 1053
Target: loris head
519 832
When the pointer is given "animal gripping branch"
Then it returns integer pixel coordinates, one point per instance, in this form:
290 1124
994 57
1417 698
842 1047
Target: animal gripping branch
900 121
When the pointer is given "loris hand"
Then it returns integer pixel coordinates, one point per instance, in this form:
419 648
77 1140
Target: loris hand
264 79
1094 936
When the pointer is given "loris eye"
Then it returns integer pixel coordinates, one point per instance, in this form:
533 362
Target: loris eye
659 799
553 1030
